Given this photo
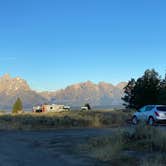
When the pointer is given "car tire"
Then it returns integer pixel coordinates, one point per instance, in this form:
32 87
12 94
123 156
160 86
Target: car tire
134 120
151 121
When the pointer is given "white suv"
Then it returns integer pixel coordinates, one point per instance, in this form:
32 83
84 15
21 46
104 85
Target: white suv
151 114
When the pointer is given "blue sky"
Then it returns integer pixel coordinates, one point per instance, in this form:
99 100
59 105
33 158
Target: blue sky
54 43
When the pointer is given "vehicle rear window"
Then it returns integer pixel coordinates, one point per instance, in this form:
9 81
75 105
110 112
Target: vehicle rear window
161 108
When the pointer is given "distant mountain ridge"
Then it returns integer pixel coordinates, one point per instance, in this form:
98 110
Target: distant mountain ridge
101 94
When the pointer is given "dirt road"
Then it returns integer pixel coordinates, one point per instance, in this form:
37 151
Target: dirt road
47 148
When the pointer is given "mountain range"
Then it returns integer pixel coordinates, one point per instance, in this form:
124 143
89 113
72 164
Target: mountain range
102 94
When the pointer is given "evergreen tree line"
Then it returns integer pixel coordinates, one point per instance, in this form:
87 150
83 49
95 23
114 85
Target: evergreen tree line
150 89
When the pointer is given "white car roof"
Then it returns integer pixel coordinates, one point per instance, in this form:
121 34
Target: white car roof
156 105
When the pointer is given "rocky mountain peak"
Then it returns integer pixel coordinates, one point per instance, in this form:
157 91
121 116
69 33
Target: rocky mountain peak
6 77
88 83
101 94
11 88
88 92
121 85
10 85
105 85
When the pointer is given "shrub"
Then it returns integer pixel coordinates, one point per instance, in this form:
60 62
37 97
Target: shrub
147 138
141 138
17 107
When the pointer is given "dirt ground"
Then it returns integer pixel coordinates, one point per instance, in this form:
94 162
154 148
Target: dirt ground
47 148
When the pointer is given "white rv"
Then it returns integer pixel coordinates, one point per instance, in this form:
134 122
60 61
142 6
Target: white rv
51 108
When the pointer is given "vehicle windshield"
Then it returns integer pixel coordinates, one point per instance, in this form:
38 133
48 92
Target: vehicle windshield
161 108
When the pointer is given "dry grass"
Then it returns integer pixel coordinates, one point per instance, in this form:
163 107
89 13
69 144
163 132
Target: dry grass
154 160
104 148
147 146
28 121
146 138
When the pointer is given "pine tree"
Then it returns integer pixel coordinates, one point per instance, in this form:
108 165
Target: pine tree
129 94
143 91
17 107
162 92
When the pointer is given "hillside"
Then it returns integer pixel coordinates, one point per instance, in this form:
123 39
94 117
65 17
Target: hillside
11 88
102 94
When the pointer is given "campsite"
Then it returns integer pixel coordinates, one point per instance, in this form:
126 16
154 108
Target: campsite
82 83
79 138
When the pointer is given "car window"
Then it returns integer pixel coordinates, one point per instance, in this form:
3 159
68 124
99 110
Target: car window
149 108
142 109
162 108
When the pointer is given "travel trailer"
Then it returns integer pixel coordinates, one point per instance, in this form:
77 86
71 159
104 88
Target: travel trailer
50 108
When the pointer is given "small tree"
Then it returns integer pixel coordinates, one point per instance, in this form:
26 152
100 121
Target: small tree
17 107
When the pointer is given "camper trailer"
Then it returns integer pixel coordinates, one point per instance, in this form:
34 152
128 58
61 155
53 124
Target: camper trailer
51 108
